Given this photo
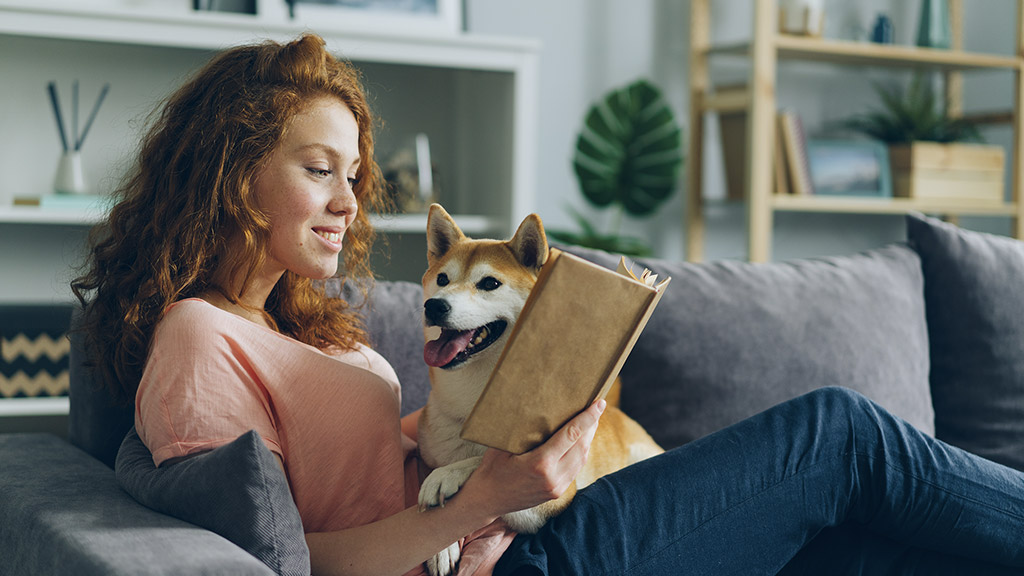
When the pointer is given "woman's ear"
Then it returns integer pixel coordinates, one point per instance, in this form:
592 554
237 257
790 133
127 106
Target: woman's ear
530 244
442 233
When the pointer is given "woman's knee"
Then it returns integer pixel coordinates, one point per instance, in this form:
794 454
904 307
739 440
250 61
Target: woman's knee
836 406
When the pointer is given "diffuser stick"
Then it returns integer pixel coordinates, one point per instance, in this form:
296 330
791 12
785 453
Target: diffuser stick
74 113
92 116
56 112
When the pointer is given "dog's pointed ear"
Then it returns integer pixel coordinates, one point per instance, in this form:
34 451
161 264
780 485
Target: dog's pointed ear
530 243
442 233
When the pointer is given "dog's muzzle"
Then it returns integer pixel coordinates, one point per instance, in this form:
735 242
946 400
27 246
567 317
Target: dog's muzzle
436 310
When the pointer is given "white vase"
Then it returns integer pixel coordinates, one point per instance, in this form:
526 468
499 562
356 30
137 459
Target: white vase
803 17
70 177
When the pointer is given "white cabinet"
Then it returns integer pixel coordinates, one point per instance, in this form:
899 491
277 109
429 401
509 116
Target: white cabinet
475 98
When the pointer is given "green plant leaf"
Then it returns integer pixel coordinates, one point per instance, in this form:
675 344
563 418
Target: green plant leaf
911 115
629 150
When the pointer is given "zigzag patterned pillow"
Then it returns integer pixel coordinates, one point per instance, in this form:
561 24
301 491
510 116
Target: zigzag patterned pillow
34 350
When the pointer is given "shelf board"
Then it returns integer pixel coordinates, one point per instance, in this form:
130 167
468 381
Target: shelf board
34 215
865 205
389 223
216 31
870 54
417 223
57 406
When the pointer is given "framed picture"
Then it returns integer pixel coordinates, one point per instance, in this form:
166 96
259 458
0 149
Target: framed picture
401 17
849 168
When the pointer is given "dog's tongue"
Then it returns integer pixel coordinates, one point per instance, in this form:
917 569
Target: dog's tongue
443 350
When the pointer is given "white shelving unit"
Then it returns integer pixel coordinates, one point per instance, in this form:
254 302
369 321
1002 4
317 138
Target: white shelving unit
492 120
475 97
388 223
34 406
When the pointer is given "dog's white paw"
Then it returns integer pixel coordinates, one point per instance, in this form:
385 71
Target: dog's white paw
444 562
441 484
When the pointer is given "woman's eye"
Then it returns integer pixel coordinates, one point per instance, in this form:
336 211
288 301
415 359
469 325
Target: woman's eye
320 172
353 181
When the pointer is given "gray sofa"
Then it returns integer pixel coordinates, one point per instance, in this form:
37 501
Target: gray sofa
932 328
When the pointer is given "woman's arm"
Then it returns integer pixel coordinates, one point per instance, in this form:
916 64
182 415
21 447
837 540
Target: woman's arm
410 424
503 483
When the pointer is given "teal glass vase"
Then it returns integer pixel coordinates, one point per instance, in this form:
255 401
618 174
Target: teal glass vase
933 29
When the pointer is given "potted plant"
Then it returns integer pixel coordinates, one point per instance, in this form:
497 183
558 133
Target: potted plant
628 155
931 154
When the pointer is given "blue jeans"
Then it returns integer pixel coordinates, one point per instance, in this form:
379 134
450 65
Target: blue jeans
828 483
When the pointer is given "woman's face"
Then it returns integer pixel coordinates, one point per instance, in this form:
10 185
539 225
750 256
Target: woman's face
306 190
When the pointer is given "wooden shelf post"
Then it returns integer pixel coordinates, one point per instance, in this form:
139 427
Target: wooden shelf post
700 43
1017 156
761 132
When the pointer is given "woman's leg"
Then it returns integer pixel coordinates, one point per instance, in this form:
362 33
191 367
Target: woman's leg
853 550
747 499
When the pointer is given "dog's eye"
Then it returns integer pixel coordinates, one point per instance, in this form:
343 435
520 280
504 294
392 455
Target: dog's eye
442 279
488 283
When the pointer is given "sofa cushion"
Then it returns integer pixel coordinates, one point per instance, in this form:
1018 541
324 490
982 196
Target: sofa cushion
730 339
97 422
393 316
973 294
238 491
62 512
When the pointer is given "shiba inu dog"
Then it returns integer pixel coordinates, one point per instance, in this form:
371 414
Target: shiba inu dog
474 291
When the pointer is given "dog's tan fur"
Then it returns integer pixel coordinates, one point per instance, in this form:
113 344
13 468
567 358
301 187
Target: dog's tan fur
619 440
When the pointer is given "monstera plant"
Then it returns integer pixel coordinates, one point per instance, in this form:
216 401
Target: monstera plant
628 156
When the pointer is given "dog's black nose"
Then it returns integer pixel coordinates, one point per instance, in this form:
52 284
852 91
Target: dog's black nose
435 309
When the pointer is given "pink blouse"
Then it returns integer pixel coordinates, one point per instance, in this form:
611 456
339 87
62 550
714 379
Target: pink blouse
333 418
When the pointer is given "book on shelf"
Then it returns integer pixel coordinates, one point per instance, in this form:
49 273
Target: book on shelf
783 185
579 324
794 145
69 202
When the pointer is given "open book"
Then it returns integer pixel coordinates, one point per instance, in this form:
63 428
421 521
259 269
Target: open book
578 326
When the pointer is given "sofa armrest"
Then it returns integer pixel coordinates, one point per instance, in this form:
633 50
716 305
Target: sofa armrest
62 511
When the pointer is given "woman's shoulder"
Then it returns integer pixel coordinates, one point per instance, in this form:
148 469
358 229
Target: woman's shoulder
193 320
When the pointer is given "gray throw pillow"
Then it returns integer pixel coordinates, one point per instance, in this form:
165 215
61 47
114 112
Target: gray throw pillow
974 294
730 339
238 491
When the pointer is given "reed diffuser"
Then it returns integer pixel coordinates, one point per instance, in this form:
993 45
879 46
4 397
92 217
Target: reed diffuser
70 178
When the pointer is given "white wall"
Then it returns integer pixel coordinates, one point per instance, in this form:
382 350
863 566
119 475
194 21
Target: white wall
590 47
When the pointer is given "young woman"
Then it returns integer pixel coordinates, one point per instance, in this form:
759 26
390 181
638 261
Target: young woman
203 308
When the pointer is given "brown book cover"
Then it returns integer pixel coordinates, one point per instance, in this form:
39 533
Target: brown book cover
578 326
796 153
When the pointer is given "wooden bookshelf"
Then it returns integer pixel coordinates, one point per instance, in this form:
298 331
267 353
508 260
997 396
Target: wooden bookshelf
764 52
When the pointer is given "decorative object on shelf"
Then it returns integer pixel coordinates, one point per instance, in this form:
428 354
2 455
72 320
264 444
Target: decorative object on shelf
928 149
628 154
235 6
933 27
85 203
849 168
411 177
882 31
70 178
951 171
911 115
34 350
802 17
732 127
417 17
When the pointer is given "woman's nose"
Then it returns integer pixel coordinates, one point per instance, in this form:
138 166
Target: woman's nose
344 199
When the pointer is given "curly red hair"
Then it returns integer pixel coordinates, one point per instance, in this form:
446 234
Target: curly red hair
192 188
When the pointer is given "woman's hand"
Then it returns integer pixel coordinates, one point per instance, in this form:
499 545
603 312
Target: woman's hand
516 482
